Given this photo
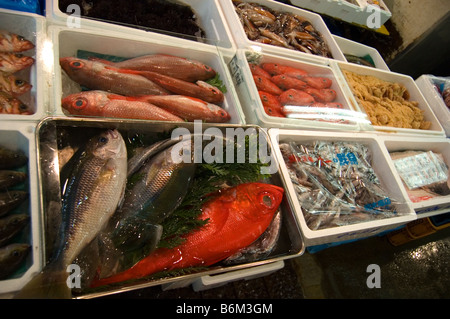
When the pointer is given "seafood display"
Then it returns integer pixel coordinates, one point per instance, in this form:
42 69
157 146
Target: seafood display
283 29
12 61
291 92
13 218
386 103
335 183
173 17
424 174
150 87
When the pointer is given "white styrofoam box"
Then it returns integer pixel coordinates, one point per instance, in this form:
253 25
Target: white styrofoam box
357 49
215 281
20 136
242 41
251 103
31 27
426 85
436 128
68 41
441 145
358 12
209 14
382 167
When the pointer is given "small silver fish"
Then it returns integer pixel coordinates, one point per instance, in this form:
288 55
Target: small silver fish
11 225
11 257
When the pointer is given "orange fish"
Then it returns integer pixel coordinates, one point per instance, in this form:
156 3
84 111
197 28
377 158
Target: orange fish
14 62
236 216
10 84
296 97
100 103
321 95
266 85
258 71
286 82
270 103
318 82
11 42
277 69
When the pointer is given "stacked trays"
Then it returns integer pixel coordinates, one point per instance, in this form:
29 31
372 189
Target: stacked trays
337 118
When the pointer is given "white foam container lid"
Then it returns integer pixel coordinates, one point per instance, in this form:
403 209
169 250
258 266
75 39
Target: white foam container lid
357 49
382 167
20 136
208 12
436 128
68 41
33 28
251 103
433 206
426 85
242 41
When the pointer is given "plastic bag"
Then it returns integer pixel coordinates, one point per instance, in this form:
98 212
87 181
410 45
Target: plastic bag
33 6
336 184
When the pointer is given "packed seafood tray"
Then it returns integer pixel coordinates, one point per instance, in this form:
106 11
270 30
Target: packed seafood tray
150 148
207 17
23 92
352 11
342 187
20 216
436 91
283 92
256 24
172 96
422 169
358 53
392 101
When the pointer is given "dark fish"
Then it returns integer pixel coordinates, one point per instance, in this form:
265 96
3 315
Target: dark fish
11 225
11 159
10 200
90 197
358 60
10 178
262 247
11 257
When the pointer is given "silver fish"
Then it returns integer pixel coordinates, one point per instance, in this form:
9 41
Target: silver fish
11 257
11 225
90 197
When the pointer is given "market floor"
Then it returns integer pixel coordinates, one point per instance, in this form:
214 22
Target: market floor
417 269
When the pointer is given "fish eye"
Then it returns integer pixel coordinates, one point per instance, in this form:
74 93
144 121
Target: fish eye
23 107
15 253
20 38
19 82
267 199
19 55
79 103
103 139
76 64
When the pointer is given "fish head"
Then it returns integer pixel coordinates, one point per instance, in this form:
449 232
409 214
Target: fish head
86 103
221 115
17 251
18 86
19 43
108 144
257 199
12 105
22 60
72 65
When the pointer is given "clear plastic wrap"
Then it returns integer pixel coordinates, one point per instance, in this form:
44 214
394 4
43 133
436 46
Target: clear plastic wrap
336 184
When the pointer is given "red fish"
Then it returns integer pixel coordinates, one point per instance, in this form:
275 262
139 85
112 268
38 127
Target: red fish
176 67
270 101
272 112
321 95
237 217
10 84
335 105
277 69
258 71
11 42
99 76
14 62
100 103
11 105
296 97
285 82
189 108
318 82
266 85
200 89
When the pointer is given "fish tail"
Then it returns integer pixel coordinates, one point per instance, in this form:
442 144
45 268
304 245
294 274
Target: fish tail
48 284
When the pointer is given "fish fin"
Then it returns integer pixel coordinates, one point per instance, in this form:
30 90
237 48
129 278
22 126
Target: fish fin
136 233
104 61
48 284
126 71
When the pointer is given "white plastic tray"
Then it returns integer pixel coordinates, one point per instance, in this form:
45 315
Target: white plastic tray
430 207
436 128
209 14
354 48
242 41
251 102
32 27
20 136
425 84
383 169
67 42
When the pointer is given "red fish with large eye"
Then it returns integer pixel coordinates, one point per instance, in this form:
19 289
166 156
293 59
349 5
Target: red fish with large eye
100 103
285 82
237 217
277 69
296 97
266 85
